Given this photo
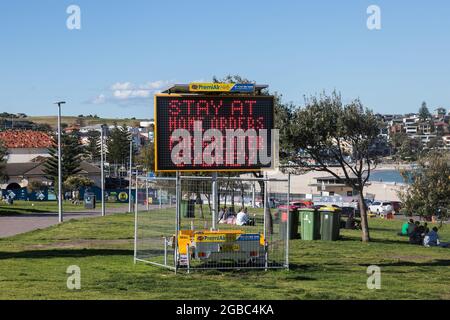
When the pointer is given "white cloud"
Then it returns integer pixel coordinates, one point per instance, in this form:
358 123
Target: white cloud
121 86
123 92
101 99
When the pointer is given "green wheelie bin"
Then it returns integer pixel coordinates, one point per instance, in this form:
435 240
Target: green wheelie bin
310 224
188 208
330 218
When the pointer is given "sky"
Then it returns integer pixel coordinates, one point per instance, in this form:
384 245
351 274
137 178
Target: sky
126 51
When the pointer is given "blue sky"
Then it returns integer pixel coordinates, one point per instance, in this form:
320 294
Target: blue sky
127 50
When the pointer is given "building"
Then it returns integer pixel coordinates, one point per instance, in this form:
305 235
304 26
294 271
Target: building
331 186
26 146
20 175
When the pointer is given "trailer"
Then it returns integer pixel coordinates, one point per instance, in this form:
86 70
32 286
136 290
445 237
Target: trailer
221 246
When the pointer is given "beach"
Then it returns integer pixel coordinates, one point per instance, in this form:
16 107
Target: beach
381 190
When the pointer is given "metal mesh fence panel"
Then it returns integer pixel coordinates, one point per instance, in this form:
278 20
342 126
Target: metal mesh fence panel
220 223
155 221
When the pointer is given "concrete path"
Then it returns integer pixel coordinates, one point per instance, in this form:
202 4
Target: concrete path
11 225
17 224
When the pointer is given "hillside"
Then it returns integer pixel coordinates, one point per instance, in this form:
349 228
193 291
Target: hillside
52 120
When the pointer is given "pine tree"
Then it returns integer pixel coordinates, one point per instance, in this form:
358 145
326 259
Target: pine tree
424 113
71 154
118 145
93 147
3 154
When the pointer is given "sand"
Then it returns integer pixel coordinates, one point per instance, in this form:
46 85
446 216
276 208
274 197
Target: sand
381 190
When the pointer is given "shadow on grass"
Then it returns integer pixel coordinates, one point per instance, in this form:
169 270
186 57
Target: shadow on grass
20 211
382 241
434 263
74 253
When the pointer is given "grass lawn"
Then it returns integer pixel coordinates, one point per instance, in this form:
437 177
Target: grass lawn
22 207
33 266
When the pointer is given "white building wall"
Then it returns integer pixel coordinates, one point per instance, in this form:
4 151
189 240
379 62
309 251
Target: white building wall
24 155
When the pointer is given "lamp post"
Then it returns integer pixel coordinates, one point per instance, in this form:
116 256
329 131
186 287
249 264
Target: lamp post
130 173
102 164
60 206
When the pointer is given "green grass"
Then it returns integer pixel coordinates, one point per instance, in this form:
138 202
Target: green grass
33 266
27 207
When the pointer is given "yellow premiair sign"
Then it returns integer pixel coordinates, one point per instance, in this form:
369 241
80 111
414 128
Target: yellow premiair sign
210 238
222 87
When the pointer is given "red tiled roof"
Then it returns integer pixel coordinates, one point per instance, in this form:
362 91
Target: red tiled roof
13 139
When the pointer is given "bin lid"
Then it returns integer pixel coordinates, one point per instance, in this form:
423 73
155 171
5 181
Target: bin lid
307 209
330 209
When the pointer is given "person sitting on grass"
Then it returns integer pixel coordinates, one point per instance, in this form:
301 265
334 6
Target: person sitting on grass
432 239
243 218
222 214
350 224
411 227
427 230
416 236
405 228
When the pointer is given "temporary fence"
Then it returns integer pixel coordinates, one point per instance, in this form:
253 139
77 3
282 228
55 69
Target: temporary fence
208 222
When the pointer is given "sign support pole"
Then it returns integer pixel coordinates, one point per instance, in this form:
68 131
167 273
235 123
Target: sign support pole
135 223
288 220
177 219
146 194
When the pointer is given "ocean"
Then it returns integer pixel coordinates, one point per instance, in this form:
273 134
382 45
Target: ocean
388 176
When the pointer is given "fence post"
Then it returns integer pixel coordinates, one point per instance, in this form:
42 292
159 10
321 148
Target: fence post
265 225
135 224
253 195
146 193
215 201
288 220
177 218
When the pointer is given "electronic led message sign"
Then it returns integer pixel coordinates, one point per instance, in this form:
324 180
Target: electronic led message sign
213 133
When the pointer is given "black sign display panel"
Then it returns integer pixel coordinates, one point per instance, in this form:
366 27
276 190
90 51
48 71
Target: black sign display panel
210 119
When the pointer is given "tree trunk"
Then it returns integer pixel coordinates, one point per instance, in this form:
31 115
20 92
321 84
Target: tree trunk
199 201
364 219
268 218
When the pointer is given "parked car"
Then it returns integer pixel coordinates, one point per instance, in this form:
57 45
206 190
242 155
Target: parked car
379 207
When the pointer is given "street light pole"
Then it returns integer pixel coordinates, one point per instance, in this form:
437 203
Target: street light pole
130 173
102 164
60 199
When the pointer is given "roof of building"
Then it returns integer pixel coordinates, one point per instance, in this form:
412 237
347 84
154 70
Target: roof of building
37 169
14 139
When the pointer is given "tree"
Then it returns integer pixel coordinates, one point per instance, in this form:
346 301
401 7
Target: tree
410 149
3 155
283 116
429 190
435 143
75 183
424 113
71 152
93 147
118 145
146 158
329 132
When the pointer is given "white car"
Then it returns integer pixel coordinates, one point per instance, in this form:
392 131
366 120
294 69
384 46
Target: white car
381 207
